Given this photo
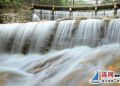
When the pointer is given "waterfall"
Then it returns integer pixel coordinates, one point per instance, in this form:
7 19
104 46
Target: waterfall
58 53
88 33
42 35
112 33
35 18
63 37
42 14
61 15
23 33
47 14
87 14
7 33
102 13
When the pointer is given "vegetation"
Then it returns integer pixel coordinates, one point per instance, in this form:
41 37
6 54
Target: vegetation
14 9
76 2
19 7
57 2
107 1
110 1
8 2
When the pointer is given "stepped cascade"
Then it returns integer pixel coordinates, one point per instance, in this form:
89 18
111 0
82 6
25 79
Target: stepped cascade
58 53
47 14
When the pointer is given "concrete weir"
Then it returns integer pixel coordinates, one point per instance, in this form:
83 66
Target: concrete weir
58 53
71 9
63 34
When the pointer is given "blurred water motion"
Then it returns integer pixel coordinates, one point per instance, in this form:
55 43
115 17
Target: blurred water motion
58 53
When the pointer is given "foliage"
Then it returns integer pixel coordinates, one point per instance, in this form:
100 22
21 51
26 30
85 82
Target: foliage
11 2
118 1
110 1
70 2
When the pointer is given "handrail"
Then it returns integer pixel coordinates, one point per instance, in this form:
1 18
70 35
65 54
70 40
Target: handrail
96 8
60 8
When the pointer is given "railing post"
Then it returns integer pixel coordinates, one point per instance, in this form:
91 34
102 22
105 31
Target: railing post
40 14
33 2
115 9
70 10
53 8
96 3
96 10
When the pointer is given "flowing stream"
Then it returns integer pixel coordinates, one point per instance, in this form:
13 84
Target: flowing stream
58 53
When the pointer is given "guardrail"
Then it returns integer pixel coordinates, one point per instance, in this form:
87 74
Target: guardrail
93 7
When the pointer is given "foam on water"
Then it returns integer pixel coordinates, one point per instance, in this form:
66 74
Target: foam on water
69 60
67 67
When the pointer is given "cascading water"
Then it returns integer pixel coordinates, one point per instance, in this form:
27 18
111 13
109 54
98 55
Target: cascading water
7 33
47 14
88 33
61 14
67 60
118 13
35 18
42 14
102 13
87 14
42 35
63 37
112 33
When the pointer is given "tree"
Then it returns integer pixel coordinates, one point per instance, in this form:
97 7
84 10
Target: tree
117 1
70 2
108 1
15 2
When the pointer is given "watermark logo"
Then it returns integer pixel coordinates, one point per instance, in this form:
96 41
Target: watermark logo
105 77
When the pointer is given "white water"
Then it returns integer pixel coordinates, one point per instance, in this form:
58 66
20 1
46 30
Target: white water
70 67
87 14
47 14
35 18
72 63
102 13
63 36
61 15
112 34
89 32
